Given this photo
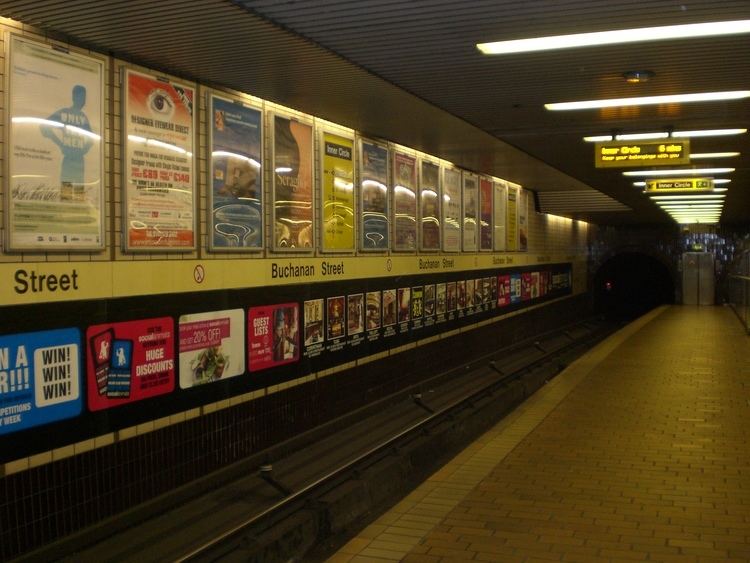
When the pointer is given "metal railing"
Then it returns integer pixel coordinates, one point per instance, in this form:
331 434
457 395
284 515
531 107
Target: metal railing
739 298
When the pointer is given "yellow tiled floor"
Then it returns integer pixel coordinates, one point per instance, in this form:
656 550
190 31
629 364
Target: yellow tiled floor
647 461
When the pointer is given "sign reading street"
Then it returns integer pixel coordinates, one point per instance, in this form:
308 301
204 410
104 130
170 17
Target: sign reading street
618 154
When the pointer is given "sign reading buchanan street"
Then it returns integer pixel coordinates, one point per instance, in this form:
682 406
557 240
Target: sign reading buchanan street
619 154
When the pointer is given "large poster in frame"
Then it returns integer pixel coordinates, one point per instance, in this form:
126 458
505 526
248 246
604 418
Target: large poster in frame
337 192
511 224
429 205
235 176
523 220
374 209
485 213
55 149
292 184
451 209
158 163
470 211
404 202
499 211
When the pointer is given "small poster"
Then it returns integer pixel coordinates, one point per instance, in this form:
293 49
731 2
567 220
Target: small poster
429 300
511 224
292 185
534 285
500 205
389 307
375 216
460 294
451 297
373 310
404 304
485 213
337 187
429 205
515 288
336 318
159 128
503 290
404 202
417 302
441 299
40 378
470 293
525 286
236 179
212 347
355 314
471 212
55 171
451 210
314 333
523 220
129 361
273 336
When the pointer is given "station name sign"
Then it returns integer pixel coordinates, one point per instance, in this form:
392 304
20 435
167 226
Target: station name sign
680 185
619 154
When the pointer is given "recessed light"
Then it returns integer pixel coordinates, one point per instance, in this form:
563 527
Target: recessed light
650 100
683 172
659 33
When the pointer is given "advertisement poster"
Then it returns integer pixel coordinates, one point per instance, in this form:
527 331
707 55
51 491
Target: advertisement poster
337 184
389 307
404 202
523 220
55 149
355 314
404 304
273 336
451 300
535 290
429 205
429 300
336 318
526 286
442 299
417 303
460 294
313 313
236 179
159 128
373 173
292 184
511 224
515 288
503 291
451 210
485 213
499 213
212 347
471 209
129 362
469 294
40 374
373 310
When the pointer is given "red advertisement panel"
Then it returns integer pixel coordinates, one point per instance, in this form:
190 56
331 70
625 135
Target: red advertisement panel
129 362
503 291
526 283
273 336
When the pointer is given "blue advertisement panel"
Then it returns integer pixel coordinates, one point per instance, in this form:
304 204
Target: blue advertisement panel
236 204
39 378
515 288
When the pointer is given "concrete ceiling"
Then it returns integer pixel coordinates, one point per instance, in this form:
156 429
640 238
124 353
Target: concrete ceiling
409 72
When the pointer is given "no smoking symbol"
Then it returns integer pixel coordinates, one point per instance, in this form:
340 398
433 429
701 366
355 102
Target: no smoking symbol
199 274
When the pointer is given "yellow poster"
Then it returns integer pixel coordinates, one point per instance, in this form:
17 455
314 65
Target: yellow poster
512 223
338 193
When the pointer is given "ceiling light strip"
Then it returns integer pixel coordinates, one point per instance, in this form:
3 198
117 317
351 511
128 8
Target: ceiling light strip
650 100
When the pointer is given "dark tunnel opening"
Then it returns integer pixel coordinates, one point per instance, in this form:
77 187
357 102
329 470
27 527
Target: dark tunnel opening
631 284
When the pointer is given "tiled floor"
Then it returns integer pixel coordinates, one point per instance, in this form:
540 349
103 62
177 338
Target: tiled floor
637 452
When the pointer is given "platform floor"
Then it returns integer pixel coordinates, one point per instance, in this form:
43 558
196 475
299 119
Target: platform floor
638 451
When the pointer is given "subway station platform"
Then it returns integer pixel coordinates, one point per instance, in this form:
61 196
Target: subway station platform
638 451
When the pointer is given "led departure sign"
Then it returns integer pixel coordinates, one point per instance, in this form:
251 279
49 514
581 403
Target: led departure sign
653 153
680 185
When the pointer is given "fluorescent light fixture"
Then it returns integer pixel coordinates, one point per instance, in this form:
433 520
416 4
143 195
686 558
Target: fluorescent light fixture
721 181
615 37
676 172
708 133
598 138
650 100
714 154
697 196
639 184
717 190
641 136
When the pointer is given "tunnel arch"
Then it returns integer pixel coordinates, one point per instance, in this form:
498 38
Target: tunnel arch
629 284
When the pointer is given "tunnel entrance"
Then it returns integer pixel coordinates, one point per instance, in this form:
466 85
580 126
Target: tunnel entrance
631 284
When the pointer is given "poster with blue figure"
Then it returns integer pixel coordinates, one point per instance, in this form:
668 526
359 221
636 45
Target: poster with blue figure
56 163
374 193
515 288
236 177
39 378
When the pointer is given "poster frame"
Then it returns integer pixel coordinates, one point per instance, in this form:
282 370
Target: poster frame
420 207
125 72
515 189
321 132
473 246
211 95
271 128
481 203
360 196
523 226
446 169
9 38
500 195
394 224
